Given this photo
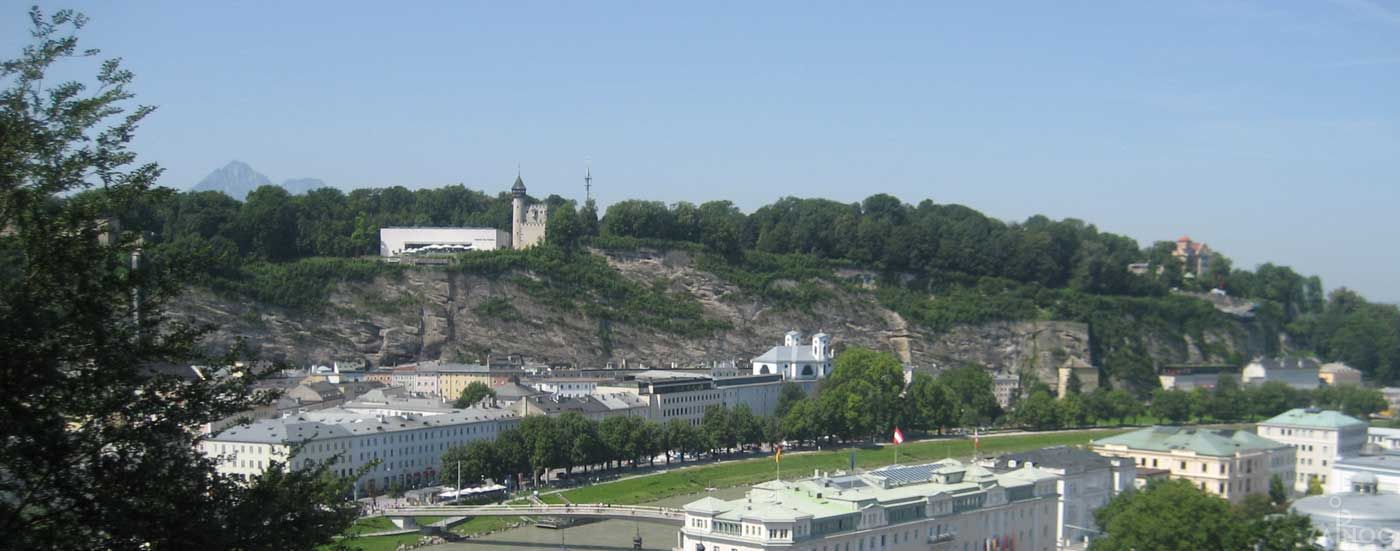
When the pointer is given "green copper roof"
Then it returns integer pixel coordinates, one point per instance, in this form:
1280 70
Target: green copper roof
1314 419
1214 442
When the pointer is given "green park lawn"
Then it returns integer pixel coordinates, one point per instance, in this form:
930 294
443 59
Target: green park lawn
696 479
690 480
381 543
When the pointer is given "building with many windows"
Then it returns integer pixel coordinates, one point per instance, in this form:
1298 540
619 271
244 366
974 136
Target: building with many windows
686 396
1299 373
942 506
1006 387
1085 481
1383 438
1226 462
1320 438
408 448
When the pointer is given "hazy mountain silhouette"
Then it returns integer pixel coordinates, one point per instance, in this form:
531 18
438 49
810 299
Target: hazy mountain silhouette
237 180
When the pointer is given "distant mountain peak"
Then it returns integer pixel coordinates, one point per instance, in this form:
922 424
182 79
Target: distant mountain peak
237 179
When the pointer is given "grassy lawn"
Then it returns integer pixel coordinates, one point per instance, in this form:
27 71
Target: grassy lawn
381 543
552 499
796 465
370 525
478 525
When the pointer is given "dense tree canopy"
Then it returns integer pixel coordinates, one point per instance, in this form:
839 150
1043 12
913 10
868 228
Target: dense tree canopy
100 447
474 393
1175 515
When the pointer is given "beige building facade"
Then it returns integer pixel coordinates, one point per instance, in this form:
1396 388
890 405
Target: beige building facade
1229 463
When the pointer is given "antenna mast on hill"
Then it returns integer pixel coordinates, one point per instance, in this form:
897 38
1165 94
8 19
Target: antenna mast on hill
588 179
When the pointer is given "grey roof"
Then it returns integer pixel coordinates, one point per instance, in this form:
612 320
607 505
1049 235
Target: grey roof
514 391
788 354
519 185
1359 509
1313 418
1214 442
1384 462
843 494
337 422
402 403
583 405
1068 459
1287 363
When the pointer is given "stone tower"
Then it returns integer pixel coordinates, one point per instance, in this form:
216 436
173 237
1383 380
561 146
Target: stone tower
517 213
527 223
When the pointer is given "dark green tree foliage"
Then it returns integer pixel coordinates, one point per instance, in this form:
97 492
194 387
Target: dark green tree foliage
473 394
1278 491
929 404
864 392
1357 401
1038 411
99 447
719 429
971 387
1172 405
1175 515
789 394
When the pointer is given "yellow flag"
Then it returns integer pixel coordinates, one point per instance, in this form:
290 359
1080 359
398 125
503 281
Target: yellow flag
778 456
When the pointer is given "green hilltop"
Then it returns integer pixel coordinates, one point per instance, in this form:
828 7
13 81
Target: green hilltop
937 265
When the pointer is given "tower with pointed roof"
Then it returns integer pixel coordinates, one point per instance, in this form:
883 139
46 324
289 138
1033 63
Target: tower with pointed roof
527 223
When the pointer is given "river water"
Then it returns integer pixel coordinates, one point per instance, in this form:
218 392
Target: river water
608 534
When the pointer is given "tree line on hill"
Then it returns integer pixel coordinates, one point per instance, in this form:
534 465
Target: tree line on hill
980 269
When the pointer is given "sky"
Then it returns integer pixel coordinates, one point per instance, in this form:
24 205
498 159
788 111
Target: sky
1269 130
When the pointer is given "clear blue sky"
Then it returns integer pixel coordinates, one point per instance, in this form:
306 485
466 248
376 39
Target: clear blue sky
1269 129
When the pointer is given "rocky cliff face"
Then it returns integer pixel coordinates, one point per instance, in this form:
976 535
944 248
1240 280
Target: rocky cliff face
442 314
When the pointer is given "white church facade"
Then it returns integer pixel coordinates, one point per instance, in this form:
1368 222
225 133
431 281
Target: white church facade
796 361
527 230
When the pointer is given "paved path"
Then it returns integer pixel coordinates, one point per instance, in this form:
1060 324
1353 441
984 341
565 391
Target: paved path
666 515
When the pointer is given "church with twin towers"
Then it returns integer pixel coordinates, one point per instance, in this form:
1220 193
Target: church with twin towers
527 229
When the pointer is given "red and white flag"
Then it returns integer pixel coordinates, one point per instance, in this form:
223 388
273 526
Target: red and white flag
898 436
976 440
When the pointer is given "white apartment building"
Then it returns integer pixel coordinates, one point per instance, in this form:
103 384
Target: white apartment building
1320 438
943 506
409 448
1384 438
686 396
669 395
1085 481
1299 373
568 387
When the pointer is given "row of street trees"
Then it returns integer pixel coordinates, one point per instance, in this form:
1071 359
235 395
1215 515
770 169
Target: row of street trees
1227 402
865 397
541 444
